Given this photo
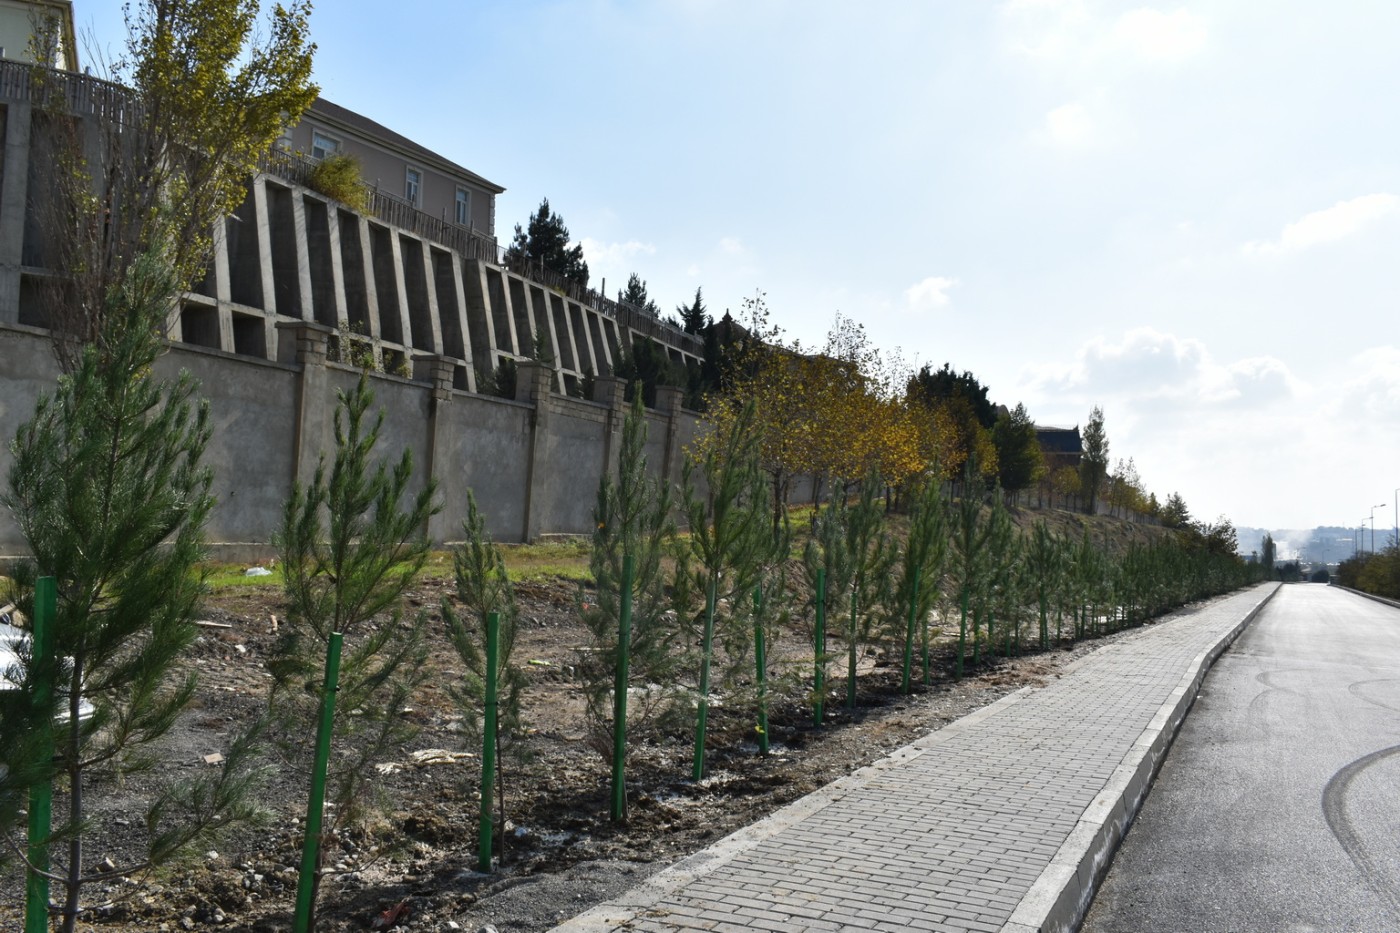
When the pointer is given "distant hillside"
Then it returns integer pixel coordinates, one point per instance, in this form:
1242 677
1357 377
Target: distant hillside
1326 544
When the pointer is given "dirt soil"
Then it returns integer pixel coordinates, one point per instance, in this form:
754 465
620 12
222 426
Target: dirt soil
416 872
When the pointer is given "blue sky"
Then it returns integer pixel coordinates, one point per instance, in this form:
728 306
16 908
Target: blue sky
1188 213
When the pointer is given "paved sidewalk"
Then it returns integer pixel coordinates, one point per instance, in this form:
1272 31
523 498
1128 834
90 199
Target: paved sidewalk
1002 821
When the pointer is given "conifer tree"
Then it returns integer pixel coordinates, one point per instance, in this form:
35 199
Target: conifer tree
632 519
732 546
108 490
694 316
351 543
921 569
483 588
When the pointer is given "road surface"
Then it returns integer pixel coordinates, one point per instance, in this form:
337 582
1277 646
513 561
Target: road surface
1278 807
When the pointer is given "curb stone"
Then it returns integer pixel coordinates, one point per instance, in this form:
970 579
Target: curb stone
1060 897
1057 895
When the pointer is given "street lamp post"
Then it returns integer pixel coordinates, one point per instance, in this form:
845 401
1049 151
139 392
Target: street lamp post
1395 541
1373 524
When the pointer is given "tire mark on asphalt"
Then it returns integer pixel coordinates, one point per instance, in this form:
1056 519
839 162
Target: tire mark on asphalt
1334 810
1356 691
1256 711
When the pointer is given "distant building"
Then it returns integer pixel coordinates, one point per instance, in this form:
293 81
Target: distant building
398 167
411 280
18 19
1061 447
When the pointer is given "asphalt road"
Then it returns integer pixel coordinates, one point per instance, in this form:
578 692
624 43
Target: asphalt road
1278 807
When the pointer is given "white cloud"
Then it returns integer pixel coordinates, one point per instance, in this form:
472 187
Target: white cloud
731 246
930 294
1069 125
1149 370
1337 222
614 256
1068 32
1373 394
1151 35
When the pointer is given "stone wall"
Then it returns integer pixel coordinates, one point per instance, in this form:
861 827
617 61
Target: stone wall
533 463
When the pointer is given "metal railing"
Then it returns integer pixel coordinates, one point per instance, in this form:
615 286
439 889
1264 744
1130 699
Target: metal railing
81 95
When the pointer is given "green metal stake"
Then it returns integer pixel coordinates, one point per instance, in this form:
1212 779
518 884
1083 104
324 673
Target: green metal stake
760 656
624 649
909 633
697 770
851 662
307 883
820 702
36 911
488 741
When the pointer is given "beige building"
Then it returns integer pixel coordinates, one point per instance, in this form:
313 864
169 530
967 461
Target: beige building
398 167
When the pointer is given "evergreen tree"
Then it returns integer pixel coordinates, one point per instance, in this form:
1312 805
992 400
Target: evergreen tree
632 518
1020 463
1268 554
483 588
945 384
545 242
635 294
108 490
351 543
1093 467
732 549
1175 514
694 318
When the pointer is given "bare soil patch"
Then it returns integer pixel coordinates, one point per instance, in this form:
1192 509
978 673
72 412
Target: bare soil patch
414 871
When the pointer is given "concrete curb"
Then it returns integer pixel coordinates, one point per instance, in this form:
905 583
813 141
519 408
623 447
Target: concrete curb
1060 897
1370 596
642 899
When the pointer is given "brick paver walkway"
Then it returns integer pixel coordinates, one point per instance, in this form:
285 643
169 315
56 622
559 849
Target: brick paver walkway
993 816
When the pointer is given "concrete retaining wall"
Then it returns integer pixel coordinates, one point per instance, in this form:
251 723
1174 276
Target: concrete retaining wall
533 464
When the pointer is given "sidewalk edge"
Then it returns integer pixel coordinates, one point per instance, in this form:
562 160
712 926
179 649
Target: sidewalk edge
1061 896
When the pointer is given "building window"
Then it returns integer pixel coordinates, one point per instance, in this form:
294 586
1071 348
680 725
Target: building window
413 186
464 207
323 145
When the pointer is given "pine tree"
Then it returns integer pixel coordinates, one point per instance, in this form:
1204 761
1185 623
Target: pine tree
694 317
108 490
1093 468
733 548
351 543
545 242
633 520
483 588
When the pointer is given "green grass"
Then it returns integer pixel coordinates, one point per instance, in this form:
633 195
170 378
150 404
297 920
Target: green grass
226 576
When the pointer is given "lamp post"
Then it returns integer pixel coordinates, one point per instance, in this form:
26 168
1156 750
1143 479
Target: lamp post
1373 524
1395 541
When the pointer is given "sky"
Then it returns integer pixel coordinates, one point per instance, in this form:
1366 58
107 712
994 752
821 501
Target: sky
1186 213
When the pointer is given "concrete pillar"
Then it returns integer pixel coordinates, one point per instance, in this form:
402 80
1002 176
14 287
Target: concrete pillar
478 292
612 392
439 370
303 247
430 289
532 385
465 329
668 402
306 343
371 285
401 288
14 201
342 306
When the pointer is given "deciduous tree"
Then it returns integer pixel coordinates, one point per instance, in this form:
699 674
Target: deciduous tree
211 85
